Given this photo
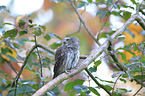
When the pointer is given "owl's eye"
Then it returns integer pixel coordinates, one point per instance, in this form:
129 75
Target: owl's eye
67 40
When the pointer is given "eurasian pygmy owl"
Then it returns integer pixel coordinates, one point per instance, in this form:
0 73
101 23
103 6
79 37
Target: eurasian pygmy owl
67 55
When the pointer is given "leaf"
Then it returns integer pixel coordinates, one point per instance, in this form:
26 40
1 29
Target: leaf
80 88
108 87
56 90
11 33
47 37
55 45
54 35
93 69
30 21
94 91
104 34
123 56
133 1
23 32
101 12
126 15
43 27
70 86
11 58
143 58
8 23
4 87
123 80
5 50
21 23
97 63
32 25
37 31
139 77
90 1
110 1
104 80
3 7
82 4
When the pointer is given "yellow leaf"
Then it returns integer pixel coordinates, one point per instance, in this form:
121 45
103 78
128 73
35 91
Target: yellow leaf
13 53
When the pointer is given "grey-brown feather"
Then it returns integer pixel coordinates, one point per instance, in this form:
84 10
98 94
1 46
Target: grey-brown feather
66 56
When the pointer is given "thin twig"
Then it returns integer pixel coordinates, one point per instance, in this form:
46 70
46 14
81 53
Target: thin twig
84 23
138 91
95 80
41 66
80 26
115 83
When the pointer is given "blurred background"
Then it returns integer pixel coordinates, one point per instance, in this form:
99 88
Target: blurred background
60 18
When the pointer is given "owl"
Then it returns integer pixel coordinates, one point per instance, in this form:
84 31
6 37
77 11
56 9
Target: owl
67 55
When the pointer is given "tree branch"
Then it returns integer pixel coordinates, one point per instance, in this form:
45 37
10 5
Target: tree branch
94 54
26 59
47 87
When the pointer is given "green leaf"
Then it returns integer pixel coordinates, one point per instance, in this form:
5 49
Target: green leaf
73 93
80 88
121 38
21 23
125 6
90 1
56 90
101 12
11 33
37 31
32 25
54 35
43 27
122 80
3 80
3 7
47 37
11 58
104 80
139 77
8 23
82 4
123 56
94 91
70 86
4 87
143 58
22 32
104 35
108 87
109 1
5 50
126 15
97 63
30 21
93 69
55 45
133 1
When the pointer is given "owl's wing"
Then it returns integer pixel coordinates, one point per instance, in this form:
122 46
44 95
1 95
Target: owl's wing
60 58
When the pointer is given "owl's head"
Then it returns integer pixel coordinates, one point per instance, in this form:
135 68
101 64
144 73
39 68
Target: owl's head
71 42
